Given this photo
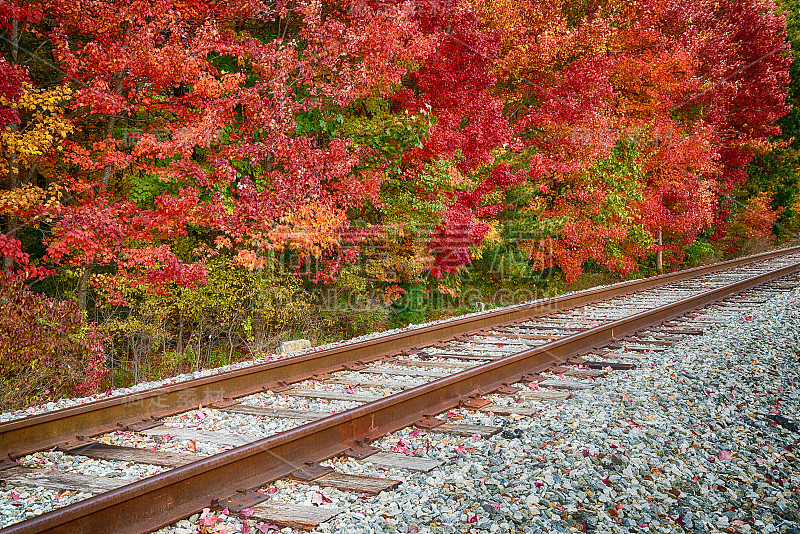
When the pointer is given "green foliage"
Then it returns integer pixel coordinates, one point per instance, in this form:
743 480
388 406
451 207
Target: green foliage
370 123
700 252
417 203
411 307
145 188
319 122
622 174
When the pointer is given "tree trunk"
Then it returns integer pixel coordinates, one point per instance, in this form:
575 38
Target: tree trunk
109 133
83 285
660 254
112 121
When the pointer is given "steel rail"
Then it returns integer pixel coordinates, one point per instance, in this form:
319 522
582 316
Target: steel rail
44 431
162 499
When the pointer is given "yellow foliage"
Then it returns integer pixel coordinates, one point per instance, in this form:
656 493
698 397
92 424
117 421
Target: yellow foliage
28 196
43 128
492 239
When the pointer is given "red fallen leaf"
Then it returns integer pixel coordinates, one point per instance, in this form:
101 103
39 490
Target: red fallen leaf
349 390
495 505
696 478
209 520
319 498
192 446
585 453
272 489
167 438
414 433
607 482
14 495
539 484
725 455
461 450
473 519
247 512
244 527
268 528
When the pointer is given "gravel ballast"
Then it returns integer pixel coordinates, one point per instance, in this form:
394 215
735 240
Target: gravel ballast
689 442
701 438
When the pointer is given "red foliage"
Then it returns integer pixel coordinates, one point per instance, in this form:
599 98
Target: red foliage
755 218
746 68
44 341
695 85
13 76
539 90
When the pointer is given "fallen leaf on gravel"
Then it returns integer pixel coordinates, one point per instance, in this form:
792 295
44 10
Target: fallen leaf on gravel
725 455
319 498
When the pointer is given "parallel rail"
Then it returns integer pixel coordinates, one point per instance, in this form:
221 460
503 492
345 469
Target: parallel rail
44 431
170 496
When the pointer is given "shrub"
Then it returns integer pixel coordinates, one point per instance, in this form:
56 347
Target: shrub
700 252
47 349
411 307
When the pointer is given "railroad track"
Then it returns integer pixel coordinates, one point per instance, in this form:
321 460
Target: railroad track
388 383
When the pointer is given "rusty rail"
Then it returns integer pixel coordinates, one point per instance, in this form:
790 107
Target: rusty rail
167 497
44 431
